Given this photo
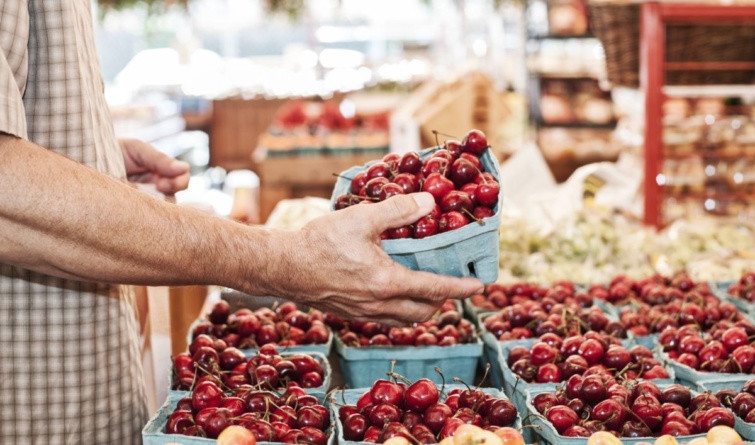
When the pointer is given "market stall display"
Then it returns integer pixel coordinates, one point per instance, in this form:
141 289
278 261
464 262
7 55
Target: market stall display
594 246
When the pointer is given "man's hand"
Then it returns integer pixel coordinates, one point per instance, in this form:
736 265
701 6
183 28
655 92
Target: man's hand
336 263
145 165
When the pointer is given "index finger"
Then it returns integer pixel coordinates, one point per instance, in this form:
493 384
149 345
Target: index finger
435 287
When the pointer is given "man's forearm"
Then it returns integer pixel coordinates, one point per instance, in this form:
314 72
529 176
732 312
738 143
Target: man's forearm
64 219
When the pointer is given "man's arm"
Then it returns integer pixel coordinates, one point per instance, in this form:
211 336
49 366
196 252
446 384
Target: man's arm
64 219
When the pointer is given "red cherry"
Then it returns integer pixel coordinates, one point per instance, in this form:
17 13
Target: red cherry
451 221
425 227
357 182
410 163
437 185
179 421
611 412
733 338
373 186
379 170
463 172
474 142
480 212
219 312
216 422
435 165
420 395
408 182
354 427
549 373
455 201
562 417
487 194
714 417
592 351
206 395
384 391
436 416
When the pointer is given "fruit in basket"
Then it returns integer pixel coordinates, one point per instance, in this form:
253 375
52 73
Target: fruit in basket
744 288
266 416
418 410
446 328
640 413
252 329
452 174
266 369
580 362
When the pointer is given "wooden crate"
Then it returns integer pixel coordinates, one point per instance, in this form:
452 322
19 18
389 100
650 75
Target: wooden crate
287 177
235 127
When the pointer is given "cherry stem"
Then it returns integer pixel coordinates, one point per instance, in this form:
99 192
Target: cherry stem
477 220
516 383
484 376
219 380
391 373
342 176
399 377
436 133
443 382
456 379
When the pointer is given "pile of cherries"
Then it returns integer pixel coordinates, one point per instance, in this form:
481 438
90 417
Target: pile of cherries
446 328
630 409
744 288
293 417
742 402
420 412
583 359
286 325
230 368
498 296
653 290
698 310
726 348
532 319
454 175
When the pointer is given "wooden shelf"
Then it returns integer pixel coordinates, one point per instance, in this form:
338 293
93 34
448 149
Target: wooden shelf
709 91
587 125
709 66
708 154
560 37
655 16
718 196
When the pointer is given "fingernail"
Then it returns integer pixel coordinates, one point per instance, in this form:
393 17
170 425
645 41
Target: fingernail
425 201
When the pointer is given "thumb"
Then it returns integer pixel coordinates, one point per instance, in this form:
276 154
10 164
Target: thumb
397 211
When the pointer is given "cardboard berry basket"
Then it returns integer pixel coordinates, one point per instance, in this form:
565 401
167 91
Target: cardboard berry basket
695 379
327 376
362 366
746 430
472 250
548 433
721 290
350 397
517 389
153 432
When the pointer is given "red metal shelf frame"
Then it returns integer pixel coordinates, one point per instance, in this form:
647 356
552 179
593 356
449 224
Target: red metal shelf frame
654 17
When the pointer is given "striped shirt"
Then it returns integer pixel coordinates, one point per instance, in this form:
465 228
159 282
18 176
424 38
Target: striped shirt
70 367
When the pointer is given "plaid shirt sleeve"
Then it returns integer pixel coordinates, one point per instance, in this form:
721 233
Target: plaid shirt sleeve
14 24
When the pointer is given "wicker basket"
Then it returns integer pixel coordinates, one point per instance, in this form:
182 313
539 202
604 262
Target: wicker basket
617 25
